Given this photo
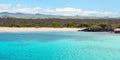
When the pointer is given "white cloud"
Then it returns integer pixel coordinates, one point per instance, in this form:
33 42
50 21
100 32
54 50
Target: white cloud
55 11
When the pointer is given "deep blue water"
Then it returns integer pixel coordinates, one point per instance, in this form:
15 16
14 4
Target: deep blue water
59 46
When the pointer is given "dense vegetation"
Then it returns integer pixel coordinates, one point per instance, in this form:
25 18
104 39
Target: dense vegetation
52 22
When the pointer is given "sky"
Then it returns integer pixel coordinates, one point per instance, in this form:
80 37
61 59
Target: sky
63 7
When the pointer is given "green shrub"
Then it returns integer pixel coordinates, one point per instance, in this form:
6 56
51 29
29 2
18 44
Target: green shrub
71 24
104 24
95 27
14 25
55 24
22 25
118 26
0 25
84 24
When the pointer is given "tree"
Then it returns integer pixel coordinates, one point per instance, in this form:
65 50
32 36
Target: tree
14 25
55 24
104 24
118 26
0 25
71 24
95 27
84 24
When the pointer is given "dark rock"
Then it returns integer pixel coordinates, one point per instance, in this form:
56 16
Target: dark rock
99 30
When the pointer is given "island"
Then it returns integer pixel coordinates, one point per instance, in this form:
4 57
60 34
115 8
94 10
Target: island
58 24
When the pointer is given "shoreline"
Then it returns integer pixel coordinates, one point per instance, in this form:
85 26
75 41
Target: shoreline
41 29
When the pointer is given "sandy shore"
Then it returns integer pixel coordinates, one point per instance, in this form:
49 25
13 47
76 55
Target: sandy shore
32 29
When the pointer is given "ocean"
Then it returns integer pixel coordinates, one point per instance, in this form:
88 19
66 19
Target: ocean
59 46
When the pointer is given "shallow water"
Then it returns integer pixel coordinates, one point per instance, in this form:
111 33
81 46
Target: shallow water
59 46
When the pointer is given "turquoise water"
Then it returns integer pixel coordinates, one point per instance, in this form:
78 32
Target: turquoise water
59 46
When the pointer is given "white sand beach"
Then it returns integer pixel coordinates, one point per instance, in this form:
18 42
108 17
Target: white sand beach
33 29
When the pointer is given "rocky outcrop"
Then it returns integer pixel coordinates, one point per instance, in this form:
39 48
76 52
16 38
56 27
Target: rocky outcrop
98 30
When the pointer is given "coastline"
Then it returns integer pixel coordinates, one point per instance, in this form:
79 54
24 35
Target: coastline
41 29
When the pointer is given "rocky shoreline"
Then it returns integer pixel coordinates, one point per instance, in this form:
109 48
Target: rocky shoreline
115 30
